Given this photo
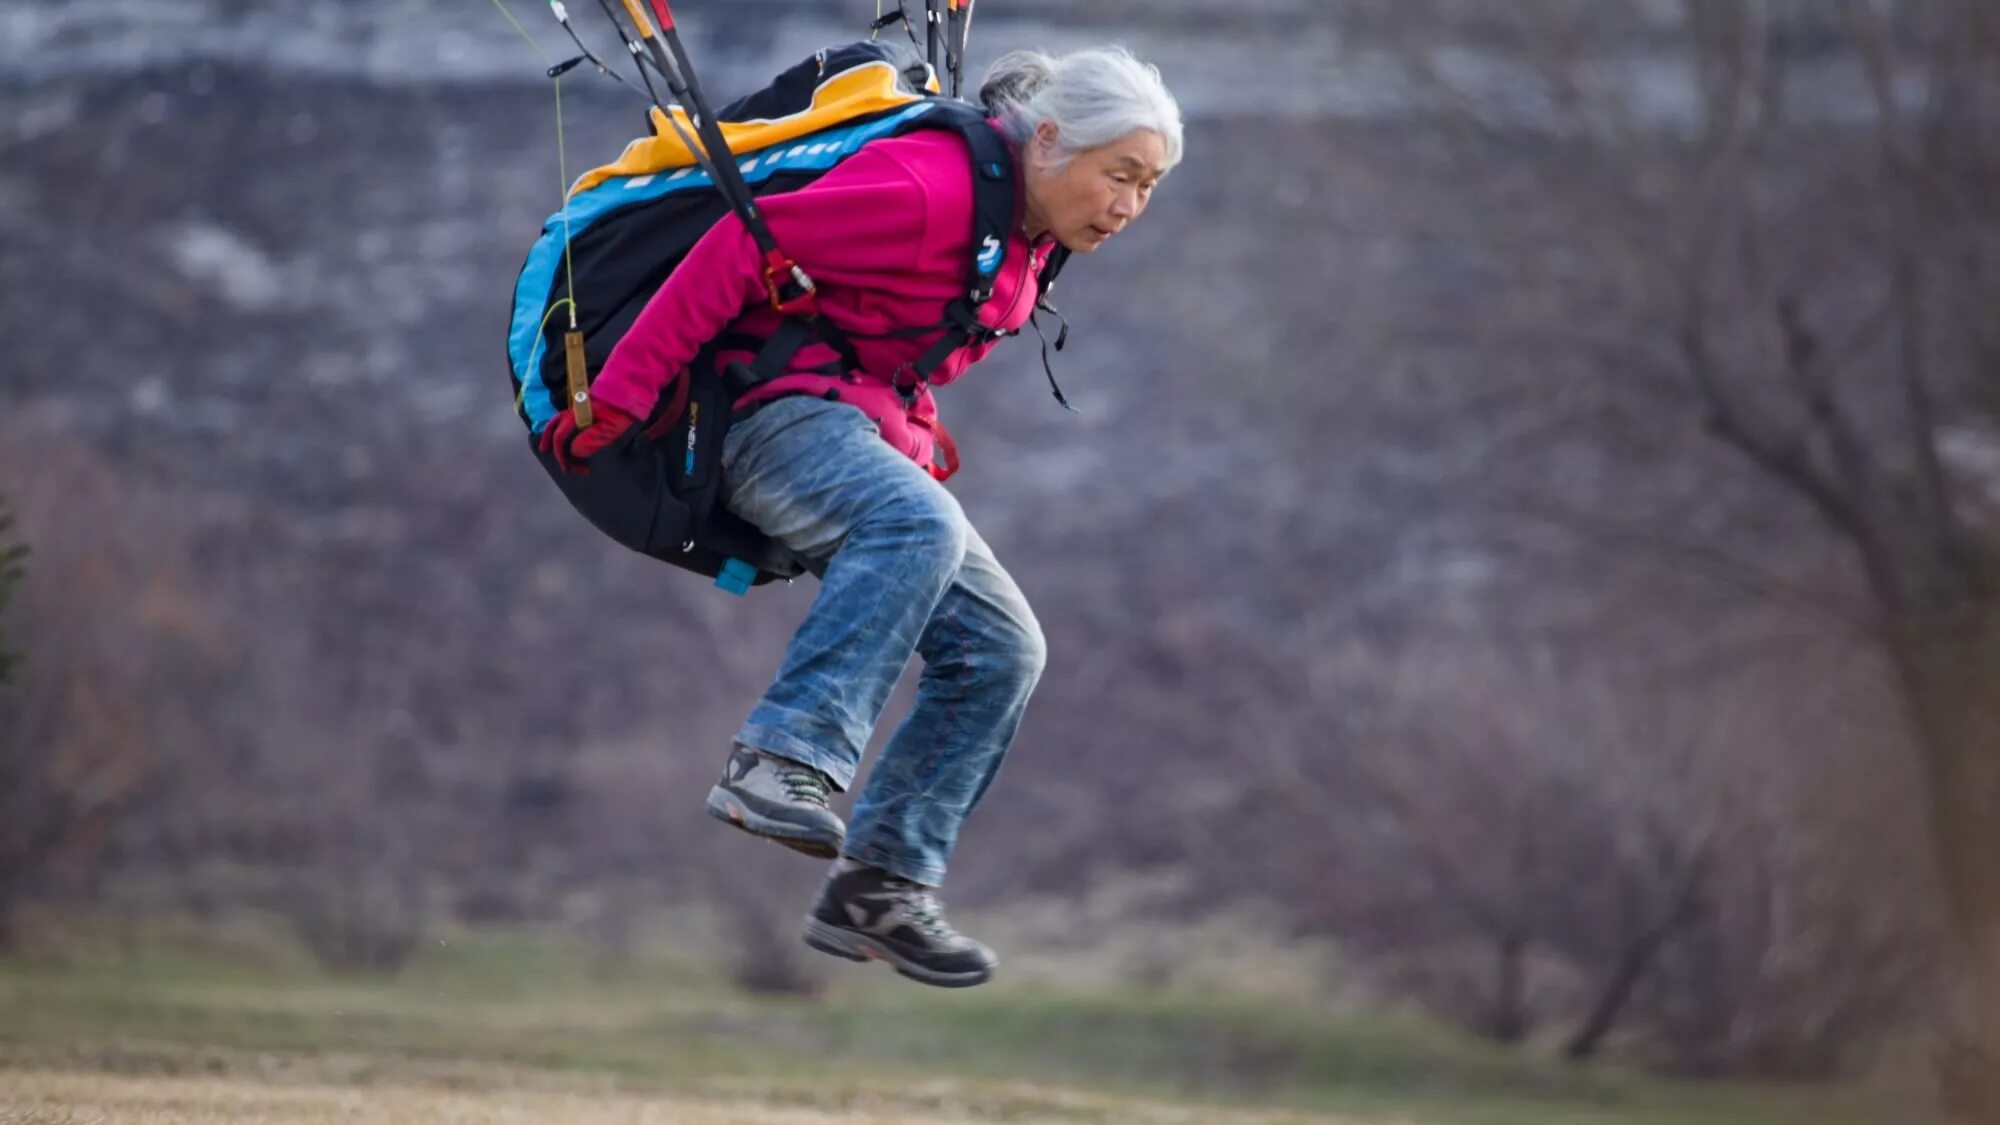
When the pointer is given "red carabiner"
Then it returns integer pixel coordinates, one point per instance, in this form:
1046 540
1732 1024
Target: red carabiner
781 272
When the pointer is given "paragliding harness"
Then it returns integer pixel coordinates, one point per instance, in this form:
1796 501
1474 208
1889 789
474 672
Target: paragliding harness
625 227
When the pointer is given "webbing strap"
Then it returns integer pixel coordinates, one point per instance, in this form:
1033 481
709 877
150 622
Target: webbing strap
961 327
777 353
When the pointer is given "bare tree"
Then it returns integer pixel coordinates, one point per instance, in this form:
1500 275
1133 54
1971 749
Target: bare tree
12 567
1814 249
1548 810
121 651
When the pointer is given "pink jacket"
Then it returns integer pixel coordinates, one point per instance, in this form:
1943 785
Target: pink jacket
887 238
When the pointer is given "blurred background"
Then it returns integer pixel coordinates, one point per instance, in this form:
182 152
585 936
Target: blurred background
1520 588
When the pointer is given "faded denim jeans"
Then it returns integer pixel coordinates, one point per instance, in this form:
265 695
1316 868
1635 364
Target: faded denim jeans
900 571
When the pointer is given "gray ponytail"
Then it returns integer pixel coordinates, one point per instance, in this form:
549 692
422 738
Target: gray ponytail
1092 97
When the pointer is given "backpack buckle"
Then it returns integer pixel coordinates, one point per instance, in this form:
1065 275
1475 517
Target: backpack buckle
792 292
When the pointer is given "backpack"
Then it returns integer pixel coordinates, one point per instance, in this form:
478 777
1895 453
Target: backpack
629 224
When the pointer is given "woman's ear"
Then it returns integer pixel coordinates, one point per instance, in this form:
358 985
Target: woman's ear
1048 143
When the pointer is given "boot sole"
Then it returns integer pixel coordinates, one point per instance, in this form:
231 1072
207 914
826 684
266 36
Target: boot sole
727 809
860 947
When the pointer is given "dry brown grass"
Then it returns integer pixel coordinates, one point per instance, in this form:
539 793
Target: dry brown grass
508 1029
63 1097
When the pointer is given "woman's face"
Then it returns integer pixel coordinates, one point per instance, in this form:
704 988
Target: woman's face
1101 189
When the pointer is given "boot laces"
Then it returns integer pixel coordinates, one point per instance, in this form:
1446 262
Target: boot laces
923 909
803 784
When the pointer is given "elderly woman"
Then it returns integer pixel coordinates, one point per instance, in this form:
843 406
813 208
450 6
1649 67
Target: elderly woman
833 457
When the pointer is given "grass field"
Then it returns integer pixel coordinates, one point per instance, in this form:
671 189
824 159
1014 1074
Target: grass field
509 1030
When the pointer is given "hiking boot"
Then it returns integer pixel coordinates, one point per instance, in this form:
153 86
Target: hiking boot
867 914
778 799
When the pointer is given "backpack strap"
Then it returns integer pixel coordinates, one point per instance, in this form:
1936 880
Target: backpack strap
793 333
994 195
1057 259
993 198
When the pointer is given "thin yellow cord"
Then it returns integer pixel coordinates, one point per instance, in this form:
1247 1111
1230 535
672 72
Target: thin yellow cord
524 31
562 169
559 303
521 395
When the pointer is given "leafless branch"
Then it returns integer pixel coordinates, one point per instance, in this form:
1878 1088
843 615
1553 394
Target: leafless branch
1734 419
1717 565
1934 507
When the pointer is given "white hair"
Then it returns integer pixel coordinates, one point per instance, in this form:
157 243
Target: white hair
1092 97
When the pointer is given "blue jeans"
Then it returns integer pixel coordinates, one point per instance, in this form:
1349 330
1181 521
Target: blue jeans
900 571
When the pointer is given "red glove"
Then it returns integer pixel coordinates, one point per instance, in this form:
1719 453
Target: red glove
572 447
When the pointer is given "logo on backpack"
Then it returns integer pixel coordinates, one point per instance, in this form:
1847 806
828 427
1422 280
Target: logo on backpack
990 252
